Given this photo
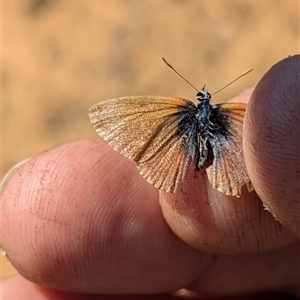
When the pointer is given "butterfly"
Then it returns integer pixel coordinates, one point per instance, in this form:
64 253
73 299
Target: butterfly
165 135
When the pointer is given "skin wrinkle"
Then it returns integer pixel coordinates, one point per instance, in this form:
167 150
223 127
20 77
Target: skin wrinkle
260 219
219 229
249 212
39 180
238 233
239 229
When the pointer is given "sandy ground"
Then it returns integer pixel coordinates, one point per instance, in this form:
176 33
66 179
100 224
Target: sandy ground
60 57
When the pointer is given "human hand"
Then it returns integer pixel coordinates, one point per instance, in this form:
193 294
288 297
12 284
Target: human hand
80 218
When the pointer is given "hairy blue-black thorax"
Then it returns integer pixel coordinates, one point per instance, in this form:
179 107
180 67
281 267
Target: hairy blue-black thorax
200 128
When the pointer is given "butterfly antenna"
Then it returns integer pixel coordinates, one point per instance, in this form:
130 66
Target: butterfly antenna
243 74
170 66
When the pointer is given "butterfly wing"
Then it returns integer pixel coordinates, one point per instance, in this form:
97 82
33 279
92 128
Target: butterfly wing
228 172
157 132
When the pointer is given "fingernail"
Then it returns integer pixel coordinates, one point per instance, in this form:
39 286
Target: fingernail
9 174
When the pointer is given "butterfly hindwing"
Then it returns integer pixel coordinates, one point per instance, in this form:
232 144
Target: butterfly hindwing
228 171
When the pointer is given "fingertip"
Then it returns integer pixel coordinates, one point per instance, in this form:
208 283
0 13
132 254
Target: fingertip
271 141
211 221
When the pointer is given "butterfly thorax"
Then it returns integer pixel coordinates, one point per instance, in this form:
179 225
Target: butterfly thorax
204 109
203 114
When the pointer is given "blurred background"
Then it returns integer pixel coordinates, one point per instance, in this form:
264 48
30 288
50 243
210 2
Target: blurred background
60 57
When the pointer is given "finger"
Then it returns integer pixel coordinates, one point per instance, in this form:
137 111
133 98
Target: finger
272 141
62 228
214 222
80 218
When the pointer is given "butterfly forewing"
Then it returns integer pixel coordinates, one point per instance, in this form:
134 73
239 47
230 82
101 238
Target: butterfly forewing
154 131
228 171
